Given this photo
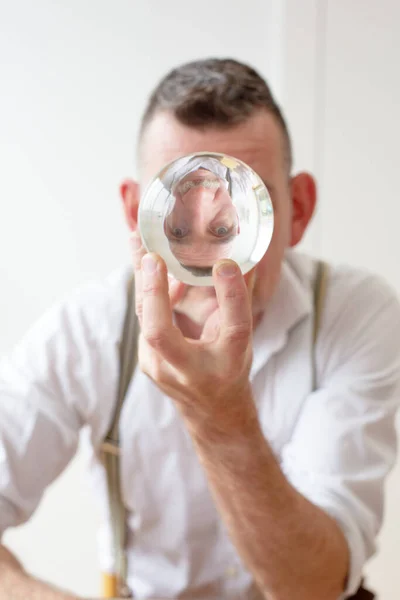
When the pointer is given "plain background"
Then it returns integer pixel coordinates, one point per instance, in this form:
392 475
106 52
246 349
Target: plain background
74 78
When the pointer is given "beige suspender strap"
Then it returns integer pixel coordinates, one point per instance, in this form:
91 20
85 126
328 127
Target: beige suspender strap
127 361
116 585
320 286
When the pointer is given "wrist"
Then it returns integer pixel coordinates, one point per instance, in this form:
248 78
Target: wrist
228 419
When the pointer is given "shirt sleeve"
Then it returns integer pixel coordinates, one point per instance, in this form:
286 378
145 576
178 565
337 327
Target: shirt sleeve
344 443
49 388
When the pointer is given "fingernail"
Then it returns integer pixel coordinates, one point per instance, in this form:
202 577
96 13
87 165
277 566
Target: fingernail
149 264
136 242
227 269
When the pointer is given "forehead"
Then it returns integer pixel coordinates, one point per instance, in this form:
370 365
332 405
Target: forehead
258 142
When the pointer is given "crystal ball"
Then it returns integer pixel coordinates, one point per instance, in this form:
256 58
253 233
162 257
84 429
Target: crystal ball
204 207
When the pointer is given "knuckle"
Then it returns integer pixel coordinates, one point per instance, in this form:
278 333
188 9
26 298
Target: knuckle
235 292
137 259
239 332
151 288
156 338
154 287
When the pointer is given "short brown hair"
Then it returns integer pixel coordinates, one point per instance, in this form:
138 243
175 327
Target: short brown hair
215 93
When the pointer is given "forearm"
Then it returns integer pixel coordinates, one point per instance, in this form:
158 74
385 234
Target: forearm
293 548
16 584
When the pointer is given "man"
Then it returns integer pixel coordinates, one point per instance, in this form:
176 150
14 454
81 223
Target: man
236 475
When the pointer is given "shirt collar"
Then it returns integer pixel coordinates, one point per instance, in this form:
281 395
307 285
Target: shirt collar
290 304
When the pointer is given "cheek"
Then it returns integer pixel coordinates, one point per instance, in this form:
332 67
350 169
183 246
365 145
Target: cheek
269 268
282 227
271 261
280 237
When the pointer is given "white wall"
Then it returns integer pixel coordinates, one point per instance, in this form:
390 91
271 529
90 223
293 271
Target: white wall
74 78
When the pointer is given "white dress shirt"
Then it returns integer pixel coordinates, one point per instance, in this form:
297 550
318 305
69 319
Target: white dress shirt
335 445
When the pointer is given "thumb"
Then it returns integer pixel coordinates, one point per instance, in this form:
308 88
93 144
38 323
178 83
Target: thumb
234 306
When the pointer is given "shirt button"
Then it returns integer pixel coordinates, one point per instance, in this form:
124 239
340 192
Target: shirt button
231 571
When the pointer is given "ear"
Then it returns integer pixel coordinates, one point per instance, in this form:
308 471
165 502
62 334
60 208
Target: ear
304 198
130 195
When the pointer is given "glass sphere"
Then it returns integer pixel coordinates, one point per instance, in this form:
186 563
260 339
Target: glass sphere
202 208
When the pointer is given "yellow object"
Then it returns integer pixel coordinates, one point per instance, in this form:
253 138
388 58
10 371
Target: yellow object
109 585
228 162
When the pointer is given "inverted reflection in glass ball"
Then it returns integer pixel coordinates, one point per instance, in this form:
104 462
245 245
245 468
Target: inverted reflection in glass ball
202 208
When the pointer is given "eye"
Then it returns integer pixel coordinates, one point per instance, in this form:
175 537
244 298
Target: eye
221 231
179 232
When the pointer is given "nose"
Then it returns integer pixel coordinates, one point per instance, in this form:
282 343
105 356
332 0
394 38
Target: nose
199 197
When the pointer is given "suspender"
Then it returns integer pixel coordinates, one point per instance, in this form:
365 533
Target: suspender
115 584
320 285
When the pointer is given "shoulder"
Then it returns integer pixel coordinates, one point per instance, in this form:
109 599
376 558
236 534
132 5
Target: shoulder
90 314
99 304
360 304
358 294
68 360
360 326
353 294
360 323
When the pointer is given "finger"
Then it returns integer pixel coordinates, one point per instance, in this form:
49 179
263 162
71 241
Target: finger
138 251
234 306
250 279
157 324
177 290
211 328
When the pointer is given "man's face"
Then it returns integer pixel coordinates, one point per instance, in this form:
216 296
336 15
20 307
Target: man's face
259 142
203 223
